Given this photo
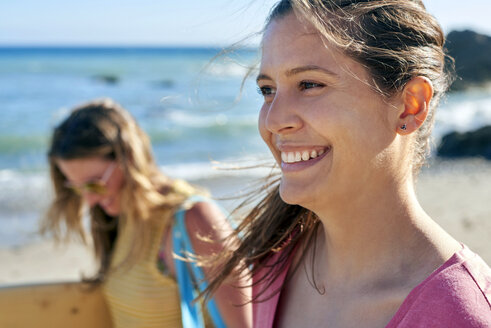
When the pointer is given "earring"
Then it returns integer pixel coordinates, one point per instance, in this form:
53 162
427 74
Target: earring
403 127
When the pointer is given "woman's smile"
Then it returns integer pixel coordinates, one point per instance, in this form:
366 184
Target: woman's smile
293 160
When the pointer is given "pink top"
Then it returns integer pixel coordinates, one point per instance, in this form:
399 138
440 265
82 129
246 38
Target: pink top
457 294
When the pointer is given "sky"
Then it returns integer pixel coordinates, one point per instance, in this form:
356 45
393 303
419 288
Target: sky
173 23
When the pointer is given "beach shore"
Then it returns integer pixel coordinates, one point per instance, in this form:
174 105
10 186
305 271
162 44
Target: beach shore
454 193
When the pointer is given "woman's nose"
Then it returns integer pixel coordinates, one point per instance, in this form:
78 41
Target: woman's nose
280 116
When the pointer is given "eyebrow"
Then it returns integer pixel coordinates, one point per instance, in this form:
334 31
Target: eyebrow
301 69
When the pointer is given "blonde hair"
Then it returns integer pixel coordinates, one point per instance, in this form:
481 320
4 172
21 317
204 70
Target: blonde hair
104 129
394 40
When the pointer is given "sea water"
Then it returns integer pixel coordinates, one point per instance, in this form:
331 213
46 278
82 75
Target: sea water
184 98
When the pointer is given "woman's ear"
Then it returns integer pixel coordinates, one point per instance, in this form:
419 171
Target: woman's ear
416 97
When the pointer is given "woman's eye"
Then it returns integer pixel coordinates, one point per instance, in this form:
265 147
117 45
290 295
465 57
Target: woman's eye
266 91
309 85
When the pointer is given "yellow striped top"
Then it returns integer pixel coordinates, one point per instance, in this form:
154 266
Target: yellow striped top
140 295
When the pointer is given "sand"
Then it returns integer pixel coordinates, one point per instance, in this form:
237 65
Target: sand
456 194
45 262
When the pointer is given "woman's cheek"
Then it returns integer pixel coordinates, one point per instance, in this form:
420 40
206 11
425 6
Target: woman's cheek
265 134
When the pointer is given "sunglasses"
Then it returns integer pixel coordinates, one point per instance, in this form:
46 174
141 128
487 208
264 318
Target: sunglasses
97 186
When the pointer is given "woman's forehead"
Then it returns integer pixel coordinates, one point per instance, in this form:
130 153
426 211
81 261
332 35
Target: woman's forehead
290 43
287 28
82 168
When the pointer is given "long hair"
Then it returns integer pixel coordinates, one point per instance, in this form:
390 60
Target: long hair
394 40
106 130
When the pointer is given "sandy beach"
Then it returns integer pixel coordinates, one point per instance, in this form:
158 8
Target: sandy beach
454 193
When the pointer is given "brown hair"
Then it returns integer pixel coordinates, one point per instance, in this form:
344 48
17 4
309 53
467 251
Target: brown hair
105 129
394 40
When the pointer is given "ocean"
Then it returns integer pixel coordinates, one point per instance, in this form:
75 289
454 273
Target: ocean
189 104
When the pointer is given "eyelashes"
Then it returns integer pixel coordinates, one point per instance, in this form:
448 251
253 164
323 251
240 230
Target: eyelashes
267 90
304 85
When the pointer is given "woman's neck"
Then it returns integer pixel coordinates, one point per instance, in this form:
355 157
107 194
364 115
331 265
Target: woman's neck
384 233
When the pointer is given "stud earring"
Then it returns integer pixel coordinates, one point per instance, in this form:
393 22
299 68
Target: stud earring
403 127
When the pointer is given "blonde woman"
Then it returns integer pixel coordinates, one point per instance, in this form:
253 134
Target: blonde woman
99 156
350 91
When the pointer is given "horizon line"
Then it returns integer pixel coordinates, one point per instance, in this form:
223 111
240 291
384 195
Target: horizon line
119 45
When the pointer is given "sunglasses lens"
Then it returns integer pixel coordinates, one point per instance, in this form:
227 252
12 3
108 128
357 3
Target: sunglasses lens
73 187
79 191
95 188
89 187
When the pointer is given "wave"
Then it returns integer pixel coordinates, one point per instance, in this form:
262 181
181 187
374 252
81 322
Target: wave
243 167
13 144
208 118
229 69
22 191
176 126
463 112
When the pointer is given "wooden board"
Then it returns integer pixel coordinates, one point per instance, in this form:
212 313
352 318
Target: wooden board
67 305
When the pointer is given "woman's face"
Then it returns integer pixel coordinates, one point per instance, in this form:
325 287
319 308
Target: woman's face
329 131
99 181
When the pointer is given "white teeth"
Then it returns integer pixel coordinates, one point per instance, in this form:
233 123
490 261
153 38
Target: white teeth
298 156
284 157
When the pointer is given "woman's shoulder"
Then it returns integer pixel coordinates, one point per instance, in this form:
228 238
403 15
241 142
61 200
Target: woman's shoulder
204 221
458 294
204 216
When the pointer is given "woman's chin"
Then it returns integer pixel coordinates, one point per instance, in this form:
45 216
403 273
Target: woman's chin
110 209
111 212
290 194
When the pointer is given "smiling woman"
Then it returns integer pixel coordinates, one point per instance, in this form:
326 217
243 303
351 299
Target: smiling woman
350 90
98 182
139 218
